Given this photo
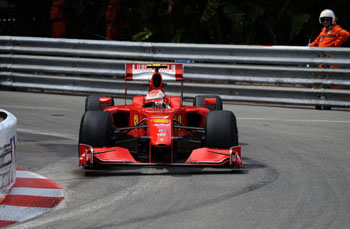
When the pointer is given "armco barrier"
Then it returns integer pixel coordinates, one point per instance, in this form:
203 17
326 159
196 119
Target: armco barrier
8 137
275 74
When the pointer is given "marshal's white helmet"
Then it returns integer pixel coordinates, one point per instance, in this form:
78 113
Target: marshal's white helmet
327 13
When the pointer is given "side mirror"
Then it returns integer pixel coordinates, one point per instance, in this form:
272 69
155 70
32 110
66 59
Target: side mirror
210 101
105 100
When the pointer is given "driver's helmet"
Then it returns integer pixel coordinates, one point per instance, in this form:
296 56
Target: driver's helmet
327 14
155 98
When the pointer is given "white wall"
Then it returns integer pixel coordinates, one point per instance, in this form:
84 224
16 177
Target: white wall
8 138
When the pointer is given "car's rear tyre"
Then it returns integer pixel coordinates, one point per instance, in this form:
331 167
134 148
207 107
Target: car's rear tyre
95 129
199 102
92 103
221 130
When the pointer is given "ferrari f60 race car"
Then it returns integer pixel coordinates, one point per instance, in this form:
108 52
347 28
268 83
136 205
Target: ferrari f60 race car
157 129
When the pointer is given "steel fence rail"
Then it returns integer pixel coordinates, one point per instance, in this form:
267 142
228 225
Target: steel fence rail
169 51
275 74
193 72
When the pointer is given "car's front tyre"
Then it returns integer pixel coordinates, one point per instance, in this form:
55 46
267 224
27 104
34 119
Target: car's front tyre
95 128
221 130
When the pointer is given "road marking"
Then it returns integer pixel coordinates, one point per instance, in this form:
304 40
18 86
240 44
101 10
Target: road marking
68 136
31 196
27 174
295 120
18 214
32 201
38 192
96 205
33 108
36 183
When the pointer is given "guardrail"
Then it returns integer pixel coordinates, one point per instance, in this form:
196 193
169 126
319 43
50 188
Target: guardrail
8 135
275 74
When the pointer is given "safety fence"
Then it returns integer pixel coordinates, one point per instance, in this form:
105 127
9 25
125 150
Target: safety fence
263 74
8 135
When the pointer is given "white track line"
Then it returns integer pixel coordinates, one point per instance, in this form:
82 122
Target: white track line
68 136
295 120
33 108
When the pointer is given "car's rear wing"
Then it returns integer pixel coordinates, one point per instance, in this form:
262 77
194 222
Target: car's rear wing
144 71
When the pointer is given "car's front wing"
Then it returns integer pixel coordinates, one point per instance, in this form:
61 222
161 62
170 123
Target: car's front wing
122 156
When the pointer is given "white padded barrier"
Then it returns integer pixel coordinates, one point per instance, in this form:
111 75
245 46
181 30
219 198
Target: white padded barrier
8 138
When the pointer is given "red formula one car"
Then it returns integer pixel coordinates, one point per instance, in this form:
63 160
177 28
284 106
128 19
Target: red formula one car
157 129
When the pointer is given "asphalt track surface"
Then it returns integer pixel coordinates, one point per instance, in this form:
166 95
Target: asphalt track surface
296 172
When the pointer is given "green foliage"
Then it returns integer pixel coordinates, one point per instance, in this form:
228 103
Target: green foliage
210 10
143 36
297 25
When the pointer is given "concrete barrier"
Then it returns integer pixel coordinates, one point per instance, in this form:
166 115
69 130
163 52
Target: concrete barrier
8 138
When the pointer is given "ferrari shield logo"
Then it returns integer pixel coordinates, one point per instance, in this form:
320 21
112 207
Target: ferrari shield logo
179 118
136 119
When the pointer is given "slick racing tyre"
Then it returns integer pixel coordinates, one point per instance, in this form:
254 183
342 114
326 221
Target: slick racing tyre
92 103
95 129
199 102
221 130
